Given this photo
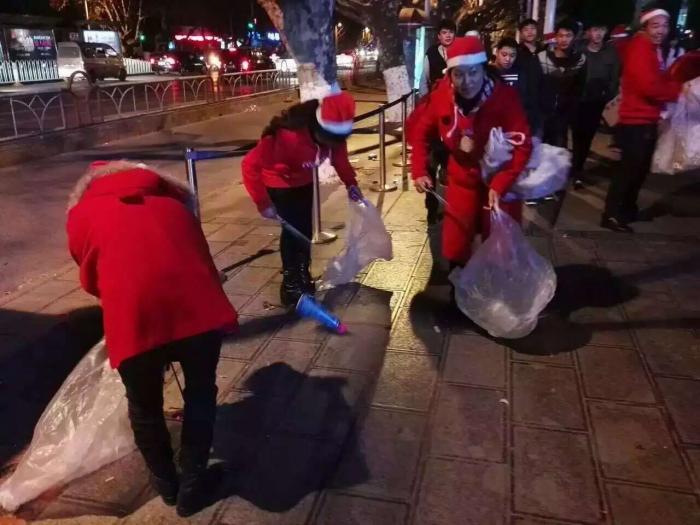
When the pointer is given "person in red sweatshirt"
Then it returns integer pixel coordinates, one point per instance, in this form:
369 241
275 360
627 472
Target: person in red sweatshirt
142 252
461 111
646 88
278 175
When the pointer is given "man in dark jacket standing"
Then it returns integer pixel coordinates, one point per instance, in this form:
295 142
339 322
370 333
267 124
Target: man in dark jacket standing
601 86
434 66
564 77
524 75
646 88
529 44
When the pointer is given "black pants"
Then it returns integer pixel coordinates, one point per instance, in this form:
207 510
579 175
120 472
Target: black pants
637 143
438 157
586 124
556 128
142 376
294 205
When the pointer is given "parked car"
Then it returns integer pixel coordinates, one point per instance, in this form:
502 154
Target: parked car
182 62
246 59
98 61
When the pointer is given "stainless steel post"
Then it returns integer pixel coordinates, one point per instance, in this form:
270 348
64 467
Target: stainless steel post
192 178
319 236
403 163
383 185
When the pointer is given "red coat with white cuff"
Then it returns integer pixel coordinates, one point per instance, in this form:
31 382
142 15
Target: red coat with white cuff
286 160
437 116
141 250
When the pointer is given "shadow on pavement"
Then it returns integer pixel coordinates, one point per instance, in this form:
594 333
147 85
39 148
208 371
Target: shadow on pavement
268 459
679 203
31 375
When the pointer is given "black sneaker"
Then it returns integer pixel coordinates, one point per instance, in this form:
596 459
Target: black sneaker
578 184
616 225
531 202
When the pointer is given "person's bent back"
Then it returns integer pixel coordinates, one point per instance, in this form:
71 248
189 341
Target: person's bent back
141 250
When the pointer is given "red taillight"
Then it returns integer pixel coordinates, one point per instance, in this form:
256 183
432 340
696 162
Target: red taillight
153 61
245 65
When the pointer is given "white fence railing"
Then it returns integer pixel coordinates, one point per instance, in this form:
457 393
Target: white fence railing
135 66
85 103
6 76
36 70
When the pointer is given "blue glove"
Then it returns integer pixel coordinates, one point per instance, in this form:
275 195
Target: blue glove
355 194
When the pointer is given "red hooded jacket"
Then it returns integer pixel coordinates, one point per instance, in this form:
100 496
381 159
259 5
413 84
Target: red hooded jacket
286 160
434 118
646 88
142 252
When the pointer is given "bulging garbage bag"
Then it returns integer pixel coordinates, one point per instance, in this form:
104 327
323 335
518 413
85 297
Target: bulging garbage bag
550 175
506 284
547 170
367 241
84 427
678 146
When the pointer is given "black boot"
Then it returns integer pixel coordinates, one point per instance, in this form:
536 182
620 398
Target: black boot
167 488
192 497
308 286
291 288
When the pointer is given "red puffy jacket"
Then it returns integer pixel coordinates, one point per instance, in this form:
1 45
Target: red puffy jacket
286 160
645 87
143 253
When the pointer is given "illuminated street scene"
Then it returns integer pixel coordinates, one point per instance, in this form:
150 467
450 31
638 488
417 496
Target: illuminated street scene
349 262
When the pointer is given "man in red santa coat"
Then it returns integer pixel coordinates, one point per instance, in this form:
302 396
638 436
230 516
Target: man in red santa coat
141 250
461 111
646 89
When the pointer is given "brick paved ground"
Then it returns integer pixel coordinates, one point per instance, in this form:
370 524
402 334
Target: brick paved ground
416 417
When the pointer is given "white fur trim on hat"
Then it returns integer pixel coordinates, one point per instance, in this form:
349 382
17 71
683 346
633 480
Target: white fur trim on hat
337 128
467 60
651 14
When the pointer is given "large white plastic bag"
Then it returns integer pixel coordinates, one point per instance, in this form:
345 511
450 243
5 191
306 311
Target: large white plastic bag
84 427
550 176
506 284
678 146
367 241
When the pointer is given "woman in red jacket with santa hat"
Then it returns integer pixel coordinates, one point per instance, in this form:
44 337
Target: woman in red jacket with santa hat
278 175
141 250
461 111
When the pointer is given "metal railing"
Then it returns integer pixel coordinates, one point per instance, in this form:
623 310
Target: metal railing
318 235
83 103
382 185
6 75
135 66
35 70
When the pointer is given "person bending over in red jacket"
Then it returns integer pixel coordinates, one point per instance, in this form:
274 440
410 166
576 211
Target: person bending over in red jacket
141 250
461 111
278 175
646 89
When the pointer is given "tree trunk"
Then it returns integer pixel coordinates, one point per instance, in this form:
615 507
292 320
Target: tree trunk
384 19
309 40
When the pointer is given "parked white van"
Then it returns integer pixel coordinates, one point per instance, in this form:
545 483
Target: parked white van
99 61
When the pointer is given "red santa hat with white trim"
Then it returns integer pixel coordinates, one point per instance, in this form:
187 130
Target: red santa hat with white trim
335 113
619 31
650 12
466 51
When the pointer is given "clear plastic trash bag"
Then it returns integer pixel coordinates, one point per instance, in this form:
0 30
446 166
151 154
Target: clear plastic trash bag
678 146
549 176
367 241
85 427
506 284
546 172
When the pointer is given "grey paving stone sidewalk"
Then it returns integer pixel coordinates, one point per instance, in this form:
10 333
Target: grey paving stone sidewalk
417 417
